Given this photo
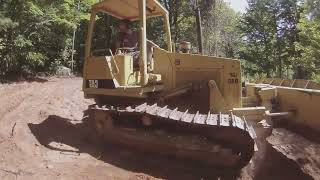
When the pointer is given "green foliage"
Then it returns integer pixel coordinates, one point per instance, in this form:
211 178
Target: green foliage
156 31
218 21
220 32
35 34
270 32
281 36
273 38
182 20
5 22
309 44
315 77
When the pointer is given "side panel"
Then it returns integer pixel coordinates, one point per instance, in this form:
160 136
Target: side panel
305 103
103 76
97 68
125 76
106 68
163 66
195 68
181 69
302 103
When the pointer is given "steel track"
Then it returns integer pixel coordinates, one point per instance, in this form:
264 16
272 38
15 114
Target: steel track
221 140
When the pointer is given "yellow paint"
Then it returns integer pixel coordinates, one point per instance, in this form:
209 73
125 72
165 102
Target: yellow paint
305 103
171 70
179 69
301 98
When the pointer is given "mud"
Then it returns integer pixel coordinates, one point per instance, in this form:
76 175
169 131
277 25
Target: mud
45 134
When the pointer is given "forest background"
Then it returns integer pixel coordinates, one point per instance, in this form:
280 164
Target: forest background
272 38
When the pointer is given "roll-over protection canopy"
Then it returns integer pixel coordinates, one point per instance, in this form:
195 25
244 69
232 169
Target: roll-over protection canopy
129 9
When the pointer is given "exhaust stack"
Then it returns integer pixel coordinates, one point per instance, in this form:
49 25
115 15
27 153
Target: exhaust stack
199 30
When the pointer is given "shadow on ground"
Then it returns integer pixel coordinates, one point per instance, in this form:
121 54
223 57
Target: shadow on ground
80 136
10 80
277 166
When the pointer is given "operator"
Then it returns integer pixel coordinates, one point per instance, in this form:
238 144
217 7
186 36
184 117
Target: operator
127 38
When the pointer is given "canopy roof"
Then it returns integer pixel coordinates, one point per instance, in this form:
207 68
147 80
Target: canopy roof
128 9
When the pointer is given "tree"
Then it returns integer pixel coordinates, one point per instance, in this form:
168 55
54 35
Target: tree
218 21
269 32
309 44
274 37
37 35
182 20
220 31
256 26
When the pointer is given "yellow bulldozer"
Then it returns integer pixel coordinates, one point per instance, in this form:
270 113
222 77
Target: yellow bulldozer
172 103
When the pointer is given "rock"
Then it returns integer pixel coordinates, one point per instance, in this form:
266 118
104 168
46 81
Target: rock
63 71
49 166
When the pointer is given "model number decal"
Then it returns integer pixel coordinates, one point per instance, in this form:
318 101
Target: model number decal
93 84
233 79
233 75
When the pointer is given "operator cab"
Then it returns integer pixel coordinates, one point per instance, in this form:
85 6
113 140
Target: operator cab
110 67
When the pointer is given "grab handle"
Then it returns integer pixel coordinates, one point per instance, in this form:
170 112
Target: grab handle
115 63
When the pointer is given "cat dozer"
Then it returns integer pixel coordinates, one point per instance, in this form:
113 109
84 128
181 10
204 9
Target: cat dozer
173 103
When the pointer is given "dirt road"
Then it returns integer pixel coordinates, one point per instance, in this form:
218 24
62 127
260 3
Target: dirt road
44 134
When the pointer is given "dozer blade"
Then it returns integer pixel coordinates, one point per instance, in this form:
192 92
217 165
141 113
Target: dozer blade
220 140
